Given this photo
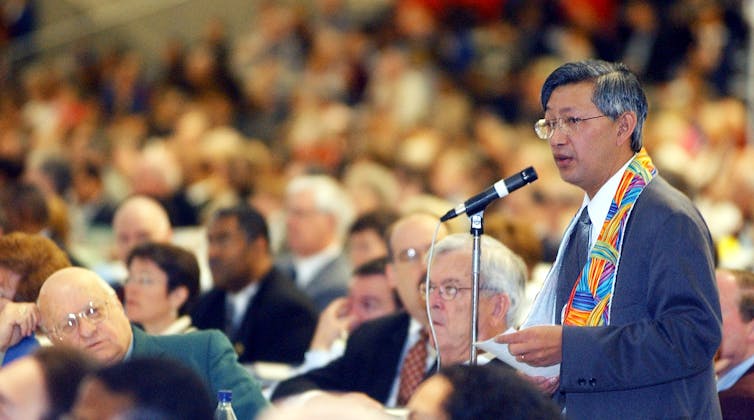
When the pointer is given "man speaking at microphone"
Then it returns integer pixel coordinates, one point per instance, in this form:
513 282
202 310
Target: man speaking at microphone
630 309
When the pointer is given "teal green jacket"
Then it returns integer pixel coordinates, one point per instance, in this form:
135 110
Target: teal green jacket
211 355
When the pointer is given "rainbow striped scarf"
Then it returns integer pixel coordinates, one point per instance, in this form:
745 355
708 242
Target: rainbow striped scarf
589 303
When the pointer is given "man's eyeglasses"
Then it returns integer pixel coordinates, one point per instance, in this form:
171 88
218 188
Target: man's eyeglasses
546 128
410 254
447 292
95 312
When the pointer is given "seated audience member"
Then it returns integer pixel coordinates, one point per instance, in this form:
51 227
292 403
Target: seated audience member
80 309
381 355
502 275
318 215
460 392
147 388
162 285
42 385
137 219
367 236
25 262
370 296
735 366
262 312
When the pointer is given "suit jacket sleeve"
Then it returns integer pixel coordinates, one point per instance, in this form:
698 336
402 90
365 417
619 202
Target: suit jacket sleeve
665 319
226 373
369 364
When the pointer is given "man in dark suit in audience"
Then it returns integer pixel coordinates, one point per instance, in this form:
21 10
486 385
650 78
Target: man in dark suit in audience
376 350
263 313
735 366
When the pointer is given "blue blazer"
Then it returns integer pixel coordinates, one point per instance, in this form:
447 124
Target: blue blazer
209 354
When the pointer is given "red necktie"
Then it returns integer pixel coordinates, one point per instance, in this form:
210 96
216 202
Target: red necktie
413 369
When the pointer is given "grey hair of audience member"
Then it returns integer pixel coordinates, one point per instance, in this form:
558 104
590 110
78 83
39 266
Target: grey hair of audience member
500 269
616 90
329 197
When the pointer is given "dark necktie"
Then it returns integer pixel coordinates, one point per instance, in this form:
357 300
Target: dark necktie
413 369
574 258
229 318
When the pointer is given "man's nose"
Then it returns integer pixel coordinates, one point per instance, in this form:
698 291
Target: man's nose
86 327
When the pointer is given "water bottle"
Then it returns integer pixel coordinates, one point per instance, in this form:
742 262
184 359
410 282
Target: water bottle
224 410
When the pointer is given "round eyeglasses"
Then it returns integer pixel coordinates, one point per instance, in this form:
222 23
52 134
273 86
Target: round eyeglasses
95 312
447 292
546 128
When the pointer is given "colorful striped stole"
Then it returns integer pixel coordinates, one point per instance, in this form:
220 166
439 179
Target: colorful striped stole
589 303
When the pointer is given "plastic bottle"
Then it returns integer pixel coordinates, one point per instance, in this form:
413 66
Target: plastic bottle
224 410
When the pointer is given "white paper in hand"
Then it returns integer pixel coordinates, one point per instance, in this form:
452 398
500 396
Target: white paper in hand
501 352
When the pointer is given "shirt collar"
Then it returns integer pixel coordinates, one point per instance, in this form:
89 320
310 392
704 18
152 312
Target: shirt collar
598 206
729 379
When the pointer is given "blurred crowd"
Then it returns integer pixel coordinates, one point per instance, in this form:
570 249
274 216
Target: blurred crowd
399 100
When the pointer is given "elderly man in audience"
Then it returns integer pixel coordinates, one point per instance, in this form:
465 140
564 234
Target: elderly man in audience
137 219
255 303
501 294
318 215
162 285
735 366
376 352
80 309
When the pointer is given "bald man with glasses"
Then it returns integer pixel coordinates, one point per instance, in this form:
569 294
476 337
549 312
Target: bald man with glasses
81 310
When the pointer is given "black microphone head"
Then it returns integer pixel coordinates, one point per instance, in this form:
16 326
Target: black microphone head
529 175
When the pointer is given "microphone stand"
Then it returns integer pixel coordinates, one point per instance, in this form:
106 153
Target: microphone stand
477 229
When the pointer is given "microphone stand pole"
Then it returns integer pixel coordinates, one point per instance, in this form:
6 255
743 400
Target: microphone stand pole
477 221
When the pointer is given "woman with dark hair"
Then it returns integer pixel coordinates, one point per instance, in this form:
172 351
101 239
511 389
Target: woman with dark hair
25 262
162 284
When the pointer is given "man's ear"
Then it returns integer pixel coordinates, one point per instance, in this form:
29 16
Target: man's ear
502 304
626 126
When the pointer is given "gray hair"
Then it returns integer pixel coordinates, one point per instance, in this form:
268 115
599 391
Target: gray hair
500 269
616 90
329 197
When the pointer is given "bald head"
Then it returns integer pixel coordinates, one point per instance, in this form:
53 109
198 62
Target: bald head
139 219
410 238
79 309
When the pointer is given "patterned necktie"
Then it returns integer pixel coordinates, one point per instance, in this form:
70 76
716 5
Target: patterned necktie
574 256
413 369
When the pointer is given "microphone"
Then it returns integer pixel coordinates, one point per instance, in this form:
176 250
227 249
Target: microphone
499 189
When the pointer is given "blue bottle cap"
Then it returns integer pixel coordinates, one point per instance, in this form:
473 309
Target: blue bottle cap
224 395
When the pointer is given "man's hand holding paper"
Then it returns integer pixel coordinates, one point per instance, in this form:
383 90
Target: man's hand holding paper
536 346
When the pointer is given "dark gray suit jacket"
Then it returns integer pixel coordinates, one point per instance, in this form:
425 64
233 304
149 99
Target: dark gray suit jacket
329 283
654 360
370 363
